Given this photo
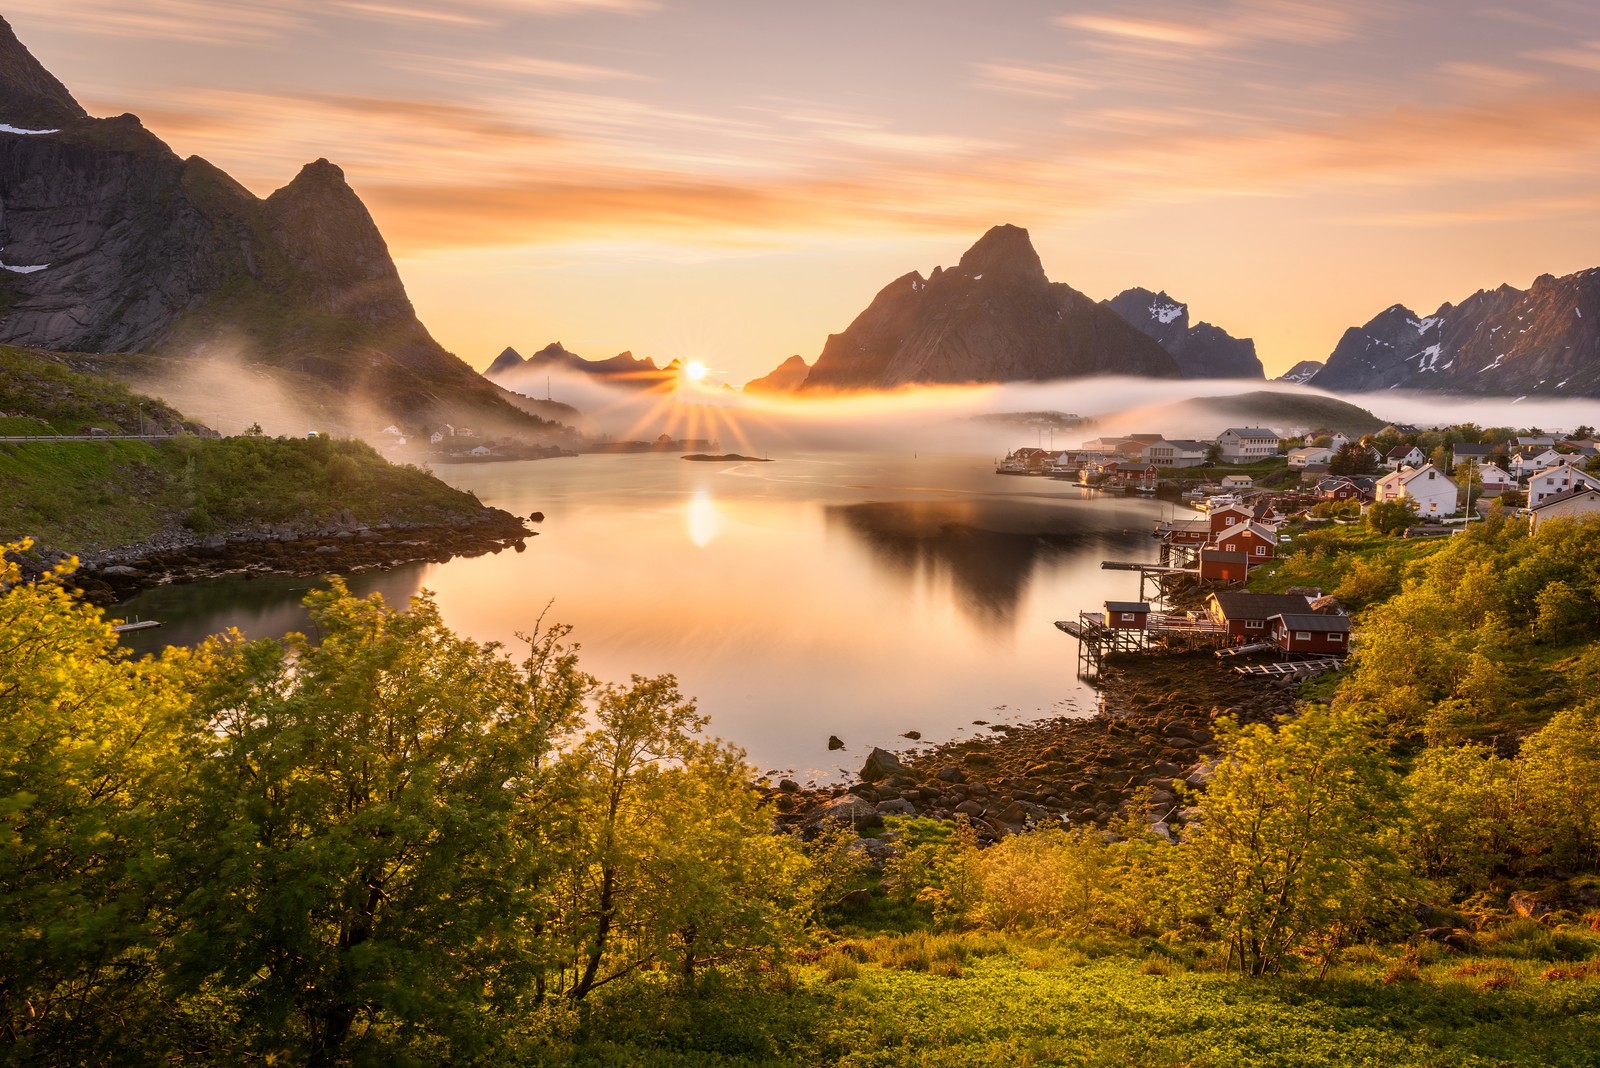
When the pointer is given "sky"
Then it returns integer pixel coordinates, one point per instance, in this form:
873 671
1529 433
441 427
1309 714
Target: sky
730 182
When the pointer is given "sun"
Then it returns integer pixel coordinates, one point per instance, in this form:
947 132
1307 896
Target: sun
695 371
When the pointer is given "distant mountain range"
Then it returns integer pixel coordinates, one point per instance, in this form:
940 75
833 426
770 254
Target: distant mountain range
1202 350
111 243
516 372
1542 341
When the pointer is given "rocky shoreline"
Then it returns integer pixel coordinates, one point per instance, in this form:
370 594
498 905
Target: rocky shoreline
1154 727
337 546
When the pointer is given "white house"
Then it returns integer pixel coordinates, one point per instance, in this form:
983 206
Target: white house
1527 461
1581 502
1404 456
480 450
1337 441
1181 453
1494 478
1247 444
1237 482
1309 454
1463 452
1554 481
1432 491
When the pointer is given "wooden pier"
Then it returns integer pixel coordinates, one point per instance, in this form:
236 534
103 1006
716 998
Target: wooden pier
1174 631
145 624
1153 578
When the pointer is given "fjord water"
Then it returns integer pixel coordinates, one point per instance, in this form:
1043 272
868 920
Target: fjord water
859 595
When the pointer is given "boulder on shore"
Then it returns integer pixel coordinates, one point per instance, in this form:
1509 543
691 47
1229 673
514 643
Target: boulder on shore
880 765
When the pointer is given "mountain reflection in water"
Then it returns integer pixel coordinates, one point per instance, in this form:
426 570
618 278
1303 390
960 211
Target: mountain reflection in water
988 550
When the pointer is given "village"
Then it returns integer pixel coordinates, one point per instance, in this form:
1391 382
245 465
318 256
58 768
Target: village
1423 483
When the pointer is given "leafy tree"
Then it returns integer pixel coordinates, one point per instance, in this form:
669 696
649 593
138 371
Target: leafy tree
1391 517
1352 459
86 740
1291 849
360 853
1460 800
674 858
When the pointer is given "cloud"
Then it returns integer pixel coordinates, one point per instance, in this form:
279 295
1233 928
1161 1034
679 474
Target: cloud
1053 82
263 22
1586 57
1240 23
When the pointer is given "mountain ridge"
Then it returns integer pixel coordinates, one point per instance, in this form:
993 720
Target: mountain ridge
114 244
1202 350
995 316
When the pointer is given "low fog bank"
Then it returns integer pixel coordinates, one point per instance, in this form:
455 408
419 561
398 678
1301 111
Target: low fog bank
963 418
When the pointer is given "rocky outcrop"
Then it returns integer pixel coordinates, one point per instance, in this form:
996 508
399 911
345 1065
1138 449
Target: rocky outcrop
1544 340
112 243
994 317
787 377
1202 350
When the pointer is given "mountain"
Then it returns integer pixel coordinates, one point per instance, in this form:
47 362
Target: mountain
787 377
112 243
1544 340
1202 350
1301 373
994 317
509 369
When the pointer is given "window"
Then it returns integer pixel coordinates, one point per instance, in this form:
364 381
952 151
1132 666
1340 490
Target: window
1261 550
1302 635
1253 624
1129 617
1335 636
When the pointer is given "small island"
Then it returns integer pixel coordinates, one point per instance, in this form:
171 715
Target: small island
727 457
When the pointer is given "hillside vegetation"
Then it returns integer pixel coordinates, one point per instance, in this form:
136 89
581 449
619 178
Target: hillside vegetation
85 495
398 846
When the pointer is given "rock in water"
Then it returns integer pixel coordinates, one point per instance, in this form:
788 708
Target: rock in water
880 765
834 743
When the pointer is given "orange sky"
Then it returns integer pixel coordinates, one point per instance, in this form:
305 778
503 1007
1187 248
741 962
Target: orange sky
731 181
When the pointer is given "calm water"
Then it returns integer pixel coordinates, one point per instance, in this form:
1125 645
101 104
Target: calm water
824 593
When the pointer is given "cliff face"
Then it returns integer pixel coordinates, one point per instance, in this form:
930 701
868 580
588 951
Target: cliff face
1544 340
112 243
995 317
1202 350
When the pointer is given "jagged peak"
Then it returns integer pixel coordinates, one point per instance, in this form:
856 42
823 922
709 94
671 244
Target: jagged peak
1005 250
30 94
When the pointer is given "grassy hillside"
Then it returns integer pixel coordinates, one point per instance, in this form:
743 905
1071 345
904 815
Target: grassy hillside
87 495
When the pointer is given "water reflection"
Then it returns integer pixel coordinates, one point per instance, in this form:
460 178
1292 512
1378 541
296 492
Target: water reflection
703 520
262 607
988 551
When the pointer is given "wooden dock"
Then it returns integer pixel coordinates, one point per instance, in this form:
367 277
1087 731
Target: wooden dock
1292 669
138 624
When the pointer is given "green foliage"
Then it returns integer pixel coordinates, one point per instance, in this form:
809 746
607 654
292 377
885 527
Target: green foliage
1291 852
1391 517
86 751
43 388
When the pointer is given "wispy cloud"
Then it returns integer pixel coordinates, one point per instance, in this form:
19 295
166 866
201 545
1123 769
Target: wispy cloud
1232 25
1584 57
258 22
1053 82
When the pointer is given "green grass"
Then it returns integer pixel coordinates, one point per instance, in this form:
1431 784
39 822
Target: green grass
88 495
41 394
947 1000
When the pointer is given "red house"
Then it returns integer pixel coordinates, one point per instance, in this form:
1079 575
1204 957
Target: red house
1306 632
1246 615
1219 565
1231 516
1254 540
1127 615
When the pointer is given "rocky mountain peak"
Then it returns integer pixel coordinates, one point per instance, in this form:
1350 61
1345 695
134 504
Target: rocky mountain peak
326 233
1201 350
506 361
30 96
1004 253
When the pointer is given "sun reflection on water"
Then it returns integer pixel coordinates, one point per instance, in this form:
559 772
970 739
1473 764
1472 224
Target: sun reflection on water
704 521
